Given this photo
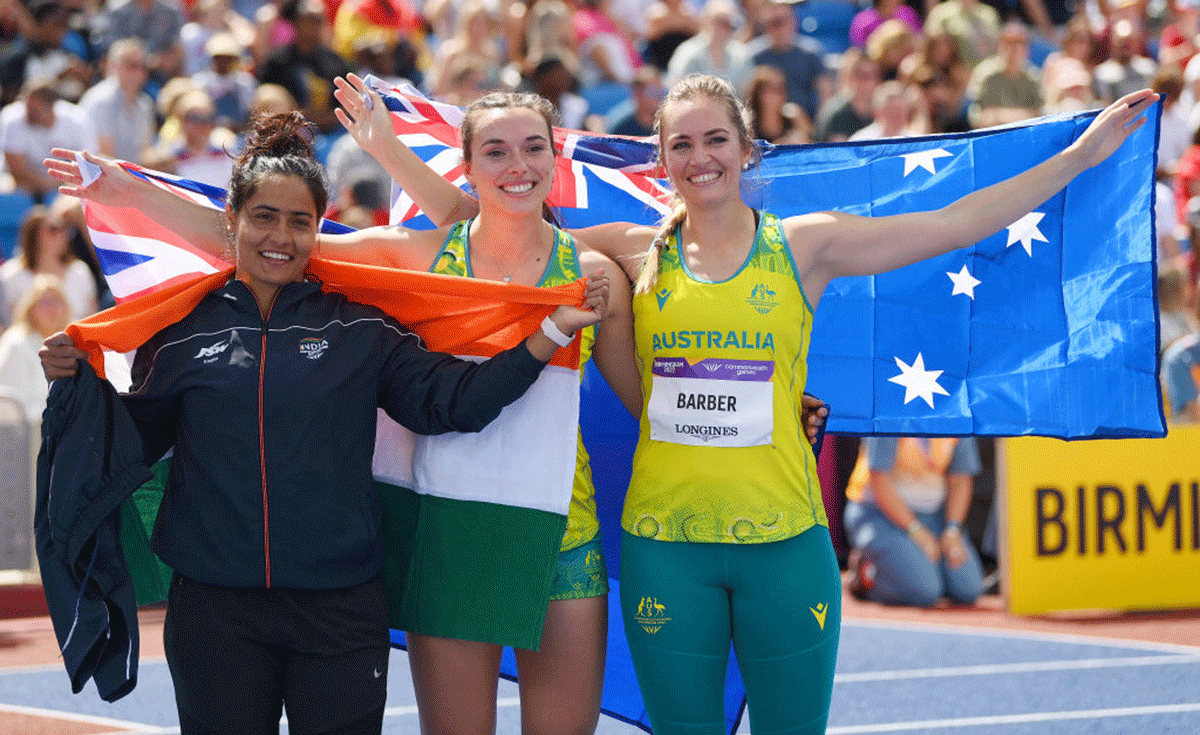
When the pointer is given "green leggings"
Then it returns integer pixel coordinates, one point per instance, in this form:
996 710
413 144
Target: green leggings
779 603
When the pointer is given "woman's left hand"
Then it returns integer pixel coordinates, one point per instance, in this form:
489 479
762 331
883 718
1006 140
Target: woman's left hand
568 319
362 113
1112 126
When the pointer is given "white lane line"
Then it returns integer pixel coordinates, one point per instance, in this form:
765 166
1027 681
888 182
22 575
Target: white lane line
132 728
1014 668
1087 714
1027 635
122 725
50 668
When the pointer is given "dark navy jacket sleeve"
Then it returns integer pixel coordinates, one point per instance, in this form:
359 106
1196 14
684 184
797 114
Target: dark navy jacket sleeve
435 393
90 462
152 403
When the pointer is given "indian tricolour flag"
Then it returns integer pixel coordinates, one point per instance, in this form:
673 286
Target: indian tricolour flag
474 521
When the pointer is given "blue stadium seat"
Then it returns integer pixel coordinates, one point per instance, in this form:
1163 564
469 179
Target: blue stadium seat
827 21
12 211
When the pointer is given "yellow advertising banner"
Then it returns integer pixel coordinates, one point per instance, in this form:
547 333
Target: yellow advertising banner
1110 524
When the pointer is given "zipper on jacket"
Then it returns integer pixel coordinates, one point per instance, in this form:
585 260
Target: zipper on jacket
262 443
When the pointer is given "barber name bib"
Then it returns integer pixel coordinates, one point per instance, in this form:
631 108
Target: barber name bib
714 402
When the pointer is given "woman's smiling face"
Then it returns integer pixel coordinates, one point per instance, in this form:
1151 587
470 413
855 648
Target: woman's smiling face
275 232
511 162
702 150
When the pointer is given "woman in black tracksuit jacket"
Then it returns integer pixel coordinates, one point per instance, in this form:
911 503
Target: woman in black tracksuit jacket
268 392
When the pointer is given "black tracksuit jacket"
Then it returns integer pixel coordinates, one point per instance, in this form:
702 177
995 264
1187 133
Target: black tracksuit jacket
273 423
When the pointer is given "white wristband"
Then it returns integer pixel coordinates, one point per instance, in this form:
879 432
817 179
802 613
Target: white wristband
552 332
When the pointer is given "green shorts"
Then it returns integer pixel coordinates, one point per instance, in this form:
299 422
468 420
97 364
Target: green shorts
581 573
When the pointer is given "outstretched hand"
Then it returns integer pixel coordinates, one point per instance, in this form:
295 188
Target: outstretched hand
113 187
1112 126
362 112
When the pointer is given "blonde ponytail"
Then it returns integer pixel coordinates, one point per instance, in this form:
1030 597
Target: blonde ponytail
648 278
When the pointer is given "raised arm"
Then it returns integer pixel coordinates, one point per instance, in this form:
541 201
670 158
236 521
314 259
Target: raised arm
116 187
364 115
205 227
832 244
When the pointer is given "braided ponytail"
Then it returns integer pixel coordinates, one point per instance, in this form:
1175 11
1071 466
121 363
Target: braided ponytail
648 278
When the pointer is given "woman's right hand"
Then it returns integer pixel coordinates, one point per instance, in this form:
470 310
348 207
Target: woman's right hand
60 357
569 319
114 187
363 113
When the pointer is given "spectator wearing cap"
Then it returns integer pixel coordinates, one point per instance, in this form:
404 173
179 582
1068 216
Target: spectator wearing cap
121 111
714 50
306 67
1078 48
212 17
896 107
39 53
31 127
1004 88
156 23
230 87
797 56
1126 70
648 94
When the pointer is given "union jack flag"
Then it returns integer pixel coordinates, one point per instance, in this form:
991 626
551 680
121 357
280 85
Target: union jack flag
137 254
624 168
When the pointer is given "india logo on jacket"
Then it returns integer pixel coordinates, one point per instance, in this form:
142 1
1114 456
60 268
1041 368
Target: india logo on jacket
313 347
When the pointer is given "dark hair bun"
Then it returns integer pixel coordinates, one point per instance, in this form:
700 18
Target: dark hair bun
279 135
